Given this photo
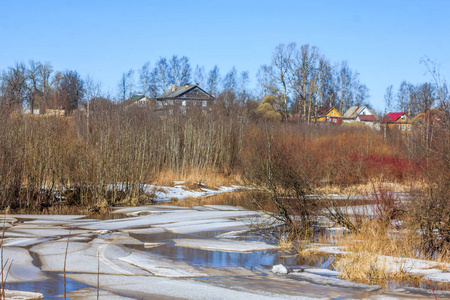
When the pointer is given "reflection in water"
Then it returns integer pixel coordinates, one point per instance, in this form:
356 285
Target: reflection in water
50 288
207 258
202 257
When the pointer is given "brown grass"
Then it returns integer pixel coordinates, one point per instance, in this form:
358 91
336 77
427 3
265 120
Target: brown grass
366 268
194 177
236 198
375 238
363 188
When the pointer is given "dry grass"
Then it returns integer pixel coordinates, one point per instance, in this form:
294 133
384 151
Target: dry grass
375 238
366 267
363 188
368 249
194 177
236 198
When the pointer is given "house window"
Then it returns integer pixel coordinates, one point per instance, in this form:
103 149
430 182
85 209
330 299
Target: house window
204 103
183 102
398 127
170 102
403 127
408 126
403 118
334 120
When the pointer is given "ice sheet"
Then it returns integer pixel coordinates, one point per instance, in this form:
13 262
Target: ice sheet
322 272
223 245
202 225
43 217
439 277
160 266
20 295
224 207
333 281
22 268
120 238
91 294
44 232
172 217
85 257
145 230
23 242
152 287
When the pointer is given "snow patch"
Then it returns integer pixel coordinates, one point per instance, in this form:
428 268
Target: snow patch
223 245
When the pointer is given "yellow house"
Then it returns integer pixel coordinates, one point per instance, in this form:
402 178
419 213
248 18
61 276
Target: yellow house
327 114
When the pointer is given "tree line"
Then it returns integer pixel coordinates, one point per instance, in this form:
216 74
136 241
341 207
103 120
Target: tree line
299 81
415 98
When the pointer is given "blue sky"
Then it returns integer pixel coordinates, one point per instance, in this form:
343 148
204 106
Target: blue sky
383 40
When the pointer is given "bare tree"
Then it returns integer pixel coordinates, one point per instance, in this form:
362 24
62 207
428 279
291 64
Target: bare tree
389 98
145 77
180 70
34 84
199 75
281 60
71 91
230 81
123 87
130 83
265 81
185 68
14 87
214 80
344 80
303 79
162 75
433 68
403 96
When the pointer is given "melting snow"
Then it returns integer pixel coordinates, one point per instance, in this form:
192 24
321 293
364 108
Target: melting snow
223 245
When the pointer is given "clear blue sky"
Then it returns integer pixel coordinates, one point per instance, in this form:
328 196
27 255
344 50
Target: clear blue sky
383 40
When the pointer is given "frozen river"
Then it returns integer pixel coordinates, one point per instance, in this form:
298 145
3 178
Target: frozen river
163 252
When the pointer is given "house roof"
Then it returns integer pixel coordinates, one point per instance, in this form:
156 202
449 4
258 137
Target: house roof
180 90
323 111
133 99
353 112
367 118
393 116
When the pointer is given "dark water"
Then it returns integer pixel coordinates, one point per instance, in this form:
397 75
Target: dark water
50 288
208 258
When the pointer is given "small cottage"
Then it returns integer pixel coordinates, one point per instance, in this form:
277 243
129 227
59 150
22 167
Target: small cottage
398 120
354 112
327 114
138 99
181 98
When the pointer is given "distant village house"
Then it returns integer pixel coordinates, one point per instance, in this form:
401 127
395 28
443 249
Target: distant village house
181 98
327 114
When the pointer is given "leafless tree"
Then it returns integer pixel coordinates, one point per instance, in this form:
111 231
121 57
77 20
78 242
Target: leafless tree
214 80
162 75
145 77
199 76
433 68
130 83
14 87
389 97
281 60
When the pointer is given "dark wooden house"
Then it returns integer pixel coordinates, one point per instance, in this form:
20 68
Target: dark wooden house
181 98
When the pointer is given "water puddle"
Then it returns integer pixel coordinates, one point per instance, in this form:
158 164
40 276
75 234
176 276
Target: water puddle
208 258
50 288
